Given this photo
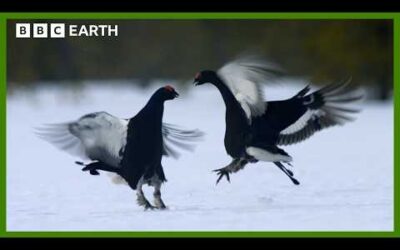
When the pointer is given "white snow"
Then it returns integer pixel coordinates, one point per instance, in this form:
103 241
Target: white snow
346 173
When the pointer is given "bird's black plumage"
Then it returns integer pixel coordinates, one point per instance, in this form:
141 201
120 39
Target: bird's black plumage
144 147
238 135
131 148
255 128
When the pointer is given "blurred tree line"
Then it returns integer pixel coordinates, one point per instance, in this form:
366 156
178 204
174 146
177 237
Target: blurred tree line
177 49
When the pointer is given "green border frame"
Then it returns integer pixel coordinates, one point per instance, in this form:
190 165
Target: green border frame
186 16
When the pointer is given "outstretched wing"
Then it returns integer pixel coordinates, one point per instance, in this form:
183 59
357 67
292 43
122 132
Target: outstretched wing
101 136
96 136
330 106
60 136
244 77
176 138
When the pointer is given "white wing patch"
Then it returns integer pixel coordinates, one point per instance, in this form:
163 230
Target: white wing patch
244 77
59 136
299 124
244 103
99 136
102 137
265 155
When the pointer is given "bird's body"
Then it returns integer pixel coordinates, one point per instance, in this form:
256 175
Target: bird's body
144 146
255 128
132 148
237 136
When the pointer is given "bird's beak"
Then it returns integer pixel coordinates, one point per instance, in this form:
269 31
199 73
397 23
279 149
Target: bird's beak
176 95
195 82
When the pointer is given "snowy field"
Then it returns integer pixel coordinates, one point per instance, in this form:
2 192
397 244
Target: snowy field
346 173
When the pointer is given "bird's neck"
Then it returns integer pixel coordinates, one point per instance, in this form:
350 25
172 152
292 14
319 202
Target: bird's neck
227 95
234 112
236 123
153 110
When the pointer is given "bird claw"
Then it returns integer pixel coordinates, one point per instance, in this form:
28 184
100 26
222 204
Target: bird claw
162 207
149 206
221 173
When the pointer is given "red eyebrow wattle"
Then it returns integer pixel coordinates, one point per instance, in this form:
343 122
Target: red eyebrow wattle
169 88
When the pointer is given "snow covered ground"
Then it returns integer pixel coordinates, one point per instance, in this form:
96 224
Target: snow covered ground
346 173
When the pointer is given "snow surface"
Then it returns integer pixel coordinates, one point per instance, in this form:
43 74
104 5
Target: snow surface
346 173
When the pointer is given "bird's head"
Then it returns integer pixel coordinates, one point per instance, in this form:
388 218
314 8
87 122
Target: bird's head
205 76
167 93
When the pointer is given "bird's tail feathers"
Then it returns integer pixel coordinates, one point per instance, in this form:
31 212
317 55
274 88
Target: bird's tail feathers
336 100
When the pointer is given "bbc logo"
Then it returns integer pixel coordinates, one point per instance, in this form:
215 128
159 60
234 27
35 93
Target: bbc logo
40 30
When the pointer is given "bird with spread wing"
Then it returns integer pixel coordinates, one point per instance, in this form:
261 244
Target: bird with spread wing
255 128
131 148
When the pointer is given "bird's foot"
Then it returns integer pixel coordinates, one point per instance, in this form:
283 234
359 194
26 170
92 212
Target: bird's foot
221 173
149 206
145 203
160 205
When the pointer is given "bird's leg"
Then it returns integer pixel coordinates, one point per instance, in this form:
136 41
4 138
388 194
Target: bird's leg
250 158
287 172
236 165
141 199
157 196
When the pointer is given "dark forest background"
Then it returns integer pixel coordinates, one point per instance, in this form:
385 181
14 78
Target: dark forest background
176 49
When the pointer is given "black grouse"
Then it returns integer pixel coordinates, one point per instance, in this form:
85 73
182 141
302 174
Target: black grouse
255 128
131 148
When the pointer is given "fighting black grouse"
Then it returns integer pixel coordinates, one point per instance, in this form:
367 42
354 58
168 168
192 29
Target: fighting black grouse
255 128
131 148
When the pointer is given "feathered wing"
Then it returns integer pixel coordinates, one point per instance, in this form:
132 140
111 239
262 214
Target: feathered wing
330 106
101 136
96 136
175 138
244 77
59 136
